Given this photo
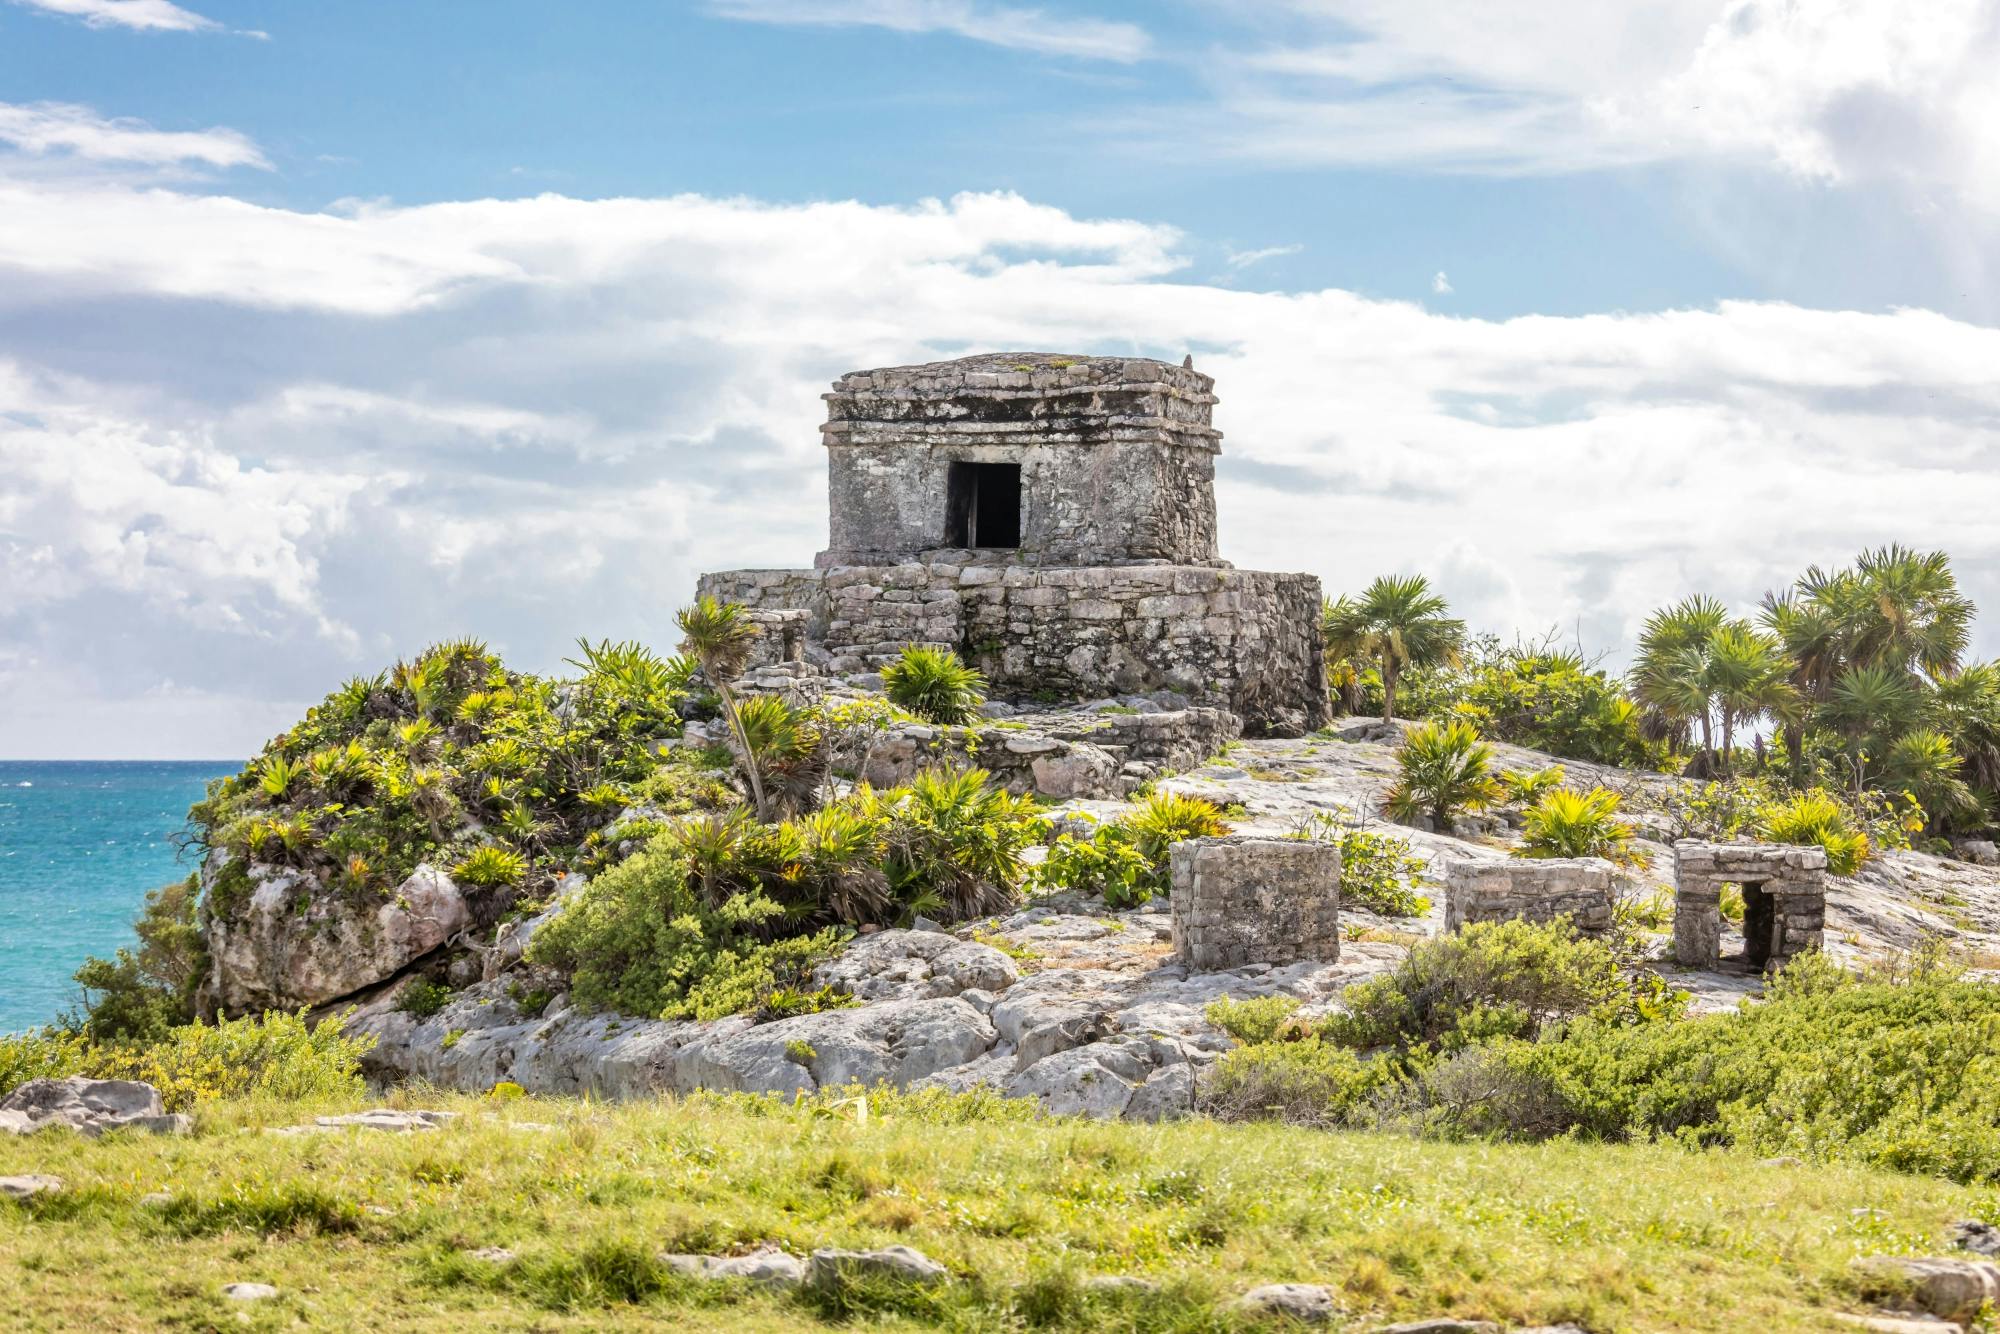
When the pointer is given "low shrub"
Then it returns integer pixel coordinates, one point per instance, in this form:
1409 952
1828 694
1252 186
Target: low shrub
1104 862
1310 1082
491 867
1259 1019
424 998
140 995
1495 979
277 1055
934 685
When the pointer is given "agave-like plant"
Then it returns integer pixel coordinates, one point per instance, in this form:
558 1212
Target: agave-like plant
1564 823
933 684
276 775
1166 818
1924 764
1446 768
955 843
491 867
1813 818
787 748
1529 786
718 636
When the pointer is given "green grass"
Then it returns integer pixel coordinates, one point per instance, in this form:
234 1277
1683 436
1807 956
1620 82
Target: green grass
364 1230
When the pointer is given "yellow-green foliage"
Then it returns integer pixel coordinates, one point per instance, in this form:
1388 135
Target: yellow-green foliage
1818 820
1166 818
934 685
361 1230
1566 823
276 1056
1258 1019
1444 769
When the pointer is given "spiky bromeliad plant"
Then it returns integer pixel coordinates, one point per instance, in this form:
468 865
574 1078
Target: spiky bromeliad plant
1566 823
1446 768
933 684
1814 818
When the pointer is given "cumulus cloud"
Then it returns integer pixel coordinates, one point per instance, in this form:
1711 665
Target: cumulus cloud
64 128
1827 90
246 451
156 15
1440 283
998 25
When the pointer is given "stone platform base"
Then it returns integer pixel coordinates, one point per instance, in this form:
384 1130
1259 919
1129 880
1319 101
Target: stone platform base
1531 890
1242 640
1245 900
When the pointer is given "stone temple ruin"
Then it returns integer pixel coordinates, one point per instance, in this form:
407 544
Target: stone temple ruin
1052 520
1784 900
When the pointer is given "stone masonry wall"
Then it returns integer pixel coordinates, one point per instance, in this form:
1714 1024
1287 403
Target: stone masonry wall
1246 900
1247 641
1531 890
1117 456
1792 878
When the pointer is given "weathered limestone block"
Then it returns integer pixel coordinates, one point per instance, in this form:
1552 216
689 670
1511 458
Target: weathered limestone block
1581 889
1784 900
1244 899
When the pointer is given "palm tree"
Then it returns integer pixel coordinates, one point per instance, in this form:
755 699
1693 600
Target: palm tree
1747 675
716 635
1872 705
1670 672
1398 622
1915 619
1339 632
1965 706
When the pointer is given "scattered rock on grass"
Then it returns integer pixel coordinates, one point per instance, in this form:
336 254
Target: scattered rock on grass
766 1266
1981 1238
493 1255
27 1187
249 1292
1953 1289
1307 1303
89 1107
829 1267
375 1118
1119 1283
1446 1325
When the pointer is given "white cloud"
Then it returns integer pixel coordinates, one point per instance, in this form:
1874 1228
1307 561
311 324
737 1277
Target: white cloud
264 449
41 128
1440 283
1826 90
1243 259
157 15
999 25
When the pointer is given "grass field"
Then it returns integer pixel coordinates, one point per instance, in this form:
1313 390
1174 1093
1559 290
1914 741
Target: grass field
367 1230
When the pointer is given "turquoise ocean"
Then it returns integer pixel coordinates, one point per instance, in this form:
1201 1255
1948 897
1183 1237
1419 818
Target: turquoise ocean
81 842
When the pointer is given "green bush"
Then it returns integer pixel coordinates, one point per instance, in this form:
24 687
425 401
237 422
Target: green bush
1904 1075
1495 979
954 844
1529 786
1259 1019
1104 862
424 998
1304 1083
491 867
1554 702
138 996
1445 768
638 940
1377 870
934 685
1576 824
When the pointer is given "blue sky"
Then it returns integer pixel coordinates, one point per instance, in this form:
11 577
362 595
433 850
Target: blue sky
326 330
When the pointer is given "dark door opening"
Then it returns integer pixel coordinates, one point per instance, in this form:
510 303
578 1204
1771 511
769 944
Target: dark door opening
1759 922
982 505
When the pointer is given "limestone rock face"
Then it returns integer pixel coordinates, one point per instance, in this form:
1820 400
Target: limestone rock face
87 1106
902 965
295 942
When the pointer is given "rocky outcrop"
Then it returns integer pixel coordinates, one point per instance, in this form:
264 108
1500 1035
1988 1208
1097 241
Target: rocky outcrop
88 1107
293 941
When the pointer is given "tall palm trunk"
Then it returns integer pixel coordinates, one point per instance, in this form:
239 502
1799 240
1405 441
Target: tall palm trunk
743 743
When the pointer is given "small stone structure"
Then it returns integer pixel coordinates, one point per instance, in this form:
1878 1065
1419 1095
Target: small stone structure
1784 900
1052 520
1244 899
1580 888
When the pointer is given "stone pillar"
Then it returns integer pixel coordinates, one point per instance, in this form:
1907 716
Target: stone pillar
1244 899
1793 879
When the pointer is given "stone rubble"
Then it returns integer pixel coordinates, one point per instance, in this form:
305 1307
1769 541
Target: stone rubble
27 1187
89 1107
